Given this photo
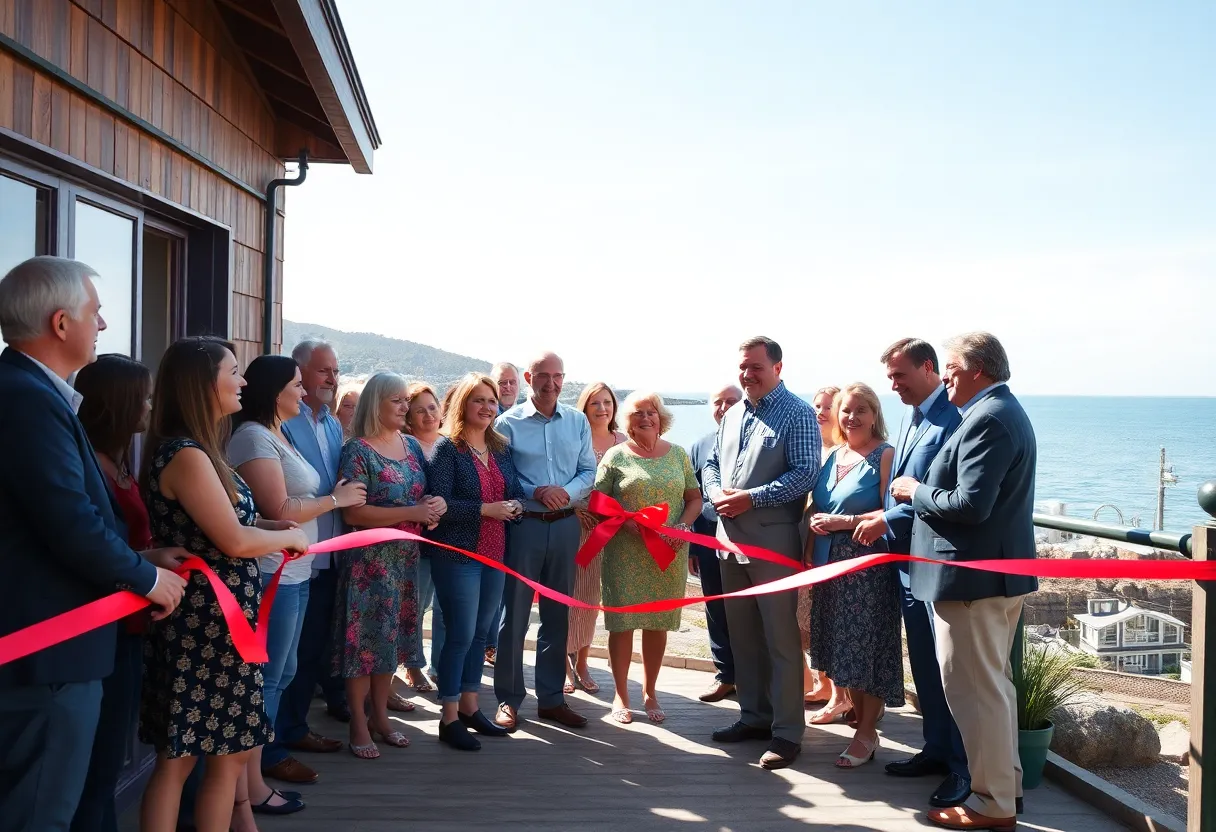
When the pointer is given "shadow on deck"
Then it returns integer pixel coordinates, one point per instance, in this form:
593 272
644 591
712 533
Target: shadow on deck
613 777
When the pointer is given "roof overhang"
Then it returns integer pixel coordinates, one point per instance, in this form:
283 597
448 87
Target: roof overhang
298 52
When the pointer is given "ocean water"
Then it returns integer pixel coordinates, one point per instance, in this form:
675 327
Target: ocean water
1092 451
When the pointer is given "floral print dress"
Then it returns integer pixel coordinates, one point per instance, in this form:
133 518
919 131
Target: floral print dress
376 612
199 697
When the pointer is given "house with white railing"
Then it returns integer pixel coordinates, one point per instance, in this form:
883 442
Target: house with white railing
1132 639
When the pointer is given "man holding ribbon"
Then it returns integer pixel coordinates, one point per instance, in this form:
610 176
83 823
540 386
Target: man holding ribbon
550 445
976 503
764 463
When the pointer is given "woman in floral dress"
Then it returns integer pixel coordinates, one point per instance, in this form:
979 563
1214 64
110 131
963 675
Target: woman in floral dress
644 471
855 619
199 696
598 403
376 620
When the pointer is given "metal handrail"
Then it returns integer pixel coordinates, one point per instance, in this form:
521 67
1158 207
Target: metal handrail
1172 541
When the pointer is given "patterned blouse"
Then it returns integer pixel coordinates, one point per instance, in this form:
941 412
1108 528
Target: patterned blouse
492 541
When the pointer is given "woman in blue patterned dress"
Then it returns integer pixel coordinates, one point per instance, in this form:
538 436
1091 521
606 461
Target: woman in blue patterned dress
199 696
855 619
376 616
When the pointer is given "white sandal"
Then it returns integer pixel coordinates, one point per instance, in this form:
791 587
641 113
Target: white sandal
846 760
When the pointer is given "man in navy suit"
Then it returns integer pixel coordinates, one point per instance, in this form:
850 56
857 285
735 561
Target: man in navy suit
62 543
317 435
912 368
976 502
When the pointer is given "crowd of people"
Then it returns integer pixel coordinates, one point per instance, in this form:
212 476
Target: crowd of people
237 465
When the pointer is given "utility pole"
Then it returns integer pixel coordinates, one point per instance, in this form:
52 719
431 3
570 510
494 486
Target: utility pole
1160 522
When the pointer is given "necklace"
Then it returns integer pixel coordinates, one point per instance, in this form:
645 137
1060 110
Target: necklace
479 451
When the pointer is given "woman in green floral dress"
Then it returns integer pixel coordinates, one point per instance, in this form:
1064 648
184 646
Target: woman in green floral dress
644 471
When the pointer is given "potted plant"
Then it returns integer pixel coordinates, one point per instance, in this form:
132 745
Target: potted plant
1045 683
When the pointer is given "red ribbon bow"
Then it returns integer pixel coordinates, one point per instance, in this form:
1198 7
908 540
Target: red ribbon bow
649 521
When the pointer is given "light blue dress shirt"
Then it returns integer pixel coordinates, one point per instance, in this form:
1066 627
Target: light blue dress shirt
69 393
550 450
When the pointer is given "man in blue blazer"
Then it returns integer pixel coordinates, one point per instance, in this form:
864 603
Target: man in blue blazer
976 502
62 543
317 435
912 368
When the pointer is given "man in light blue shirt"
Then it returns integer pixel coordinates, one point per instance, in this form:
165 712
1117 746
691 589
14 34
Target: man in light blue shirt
551 448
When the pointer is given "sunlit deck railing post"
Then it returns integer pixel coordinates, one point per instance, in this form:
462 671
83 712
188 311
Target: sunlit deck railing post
1201 801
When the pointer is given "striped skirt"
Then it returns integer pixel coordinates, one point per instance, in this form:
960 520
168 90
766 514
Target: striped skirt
587 590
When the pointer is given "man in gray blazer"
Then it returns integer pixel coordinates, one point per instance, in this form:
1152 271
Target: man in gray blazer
975 503
763 464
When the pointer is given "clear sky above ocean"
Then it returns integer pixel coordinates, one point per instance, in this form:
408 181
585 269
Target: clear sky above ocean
640 185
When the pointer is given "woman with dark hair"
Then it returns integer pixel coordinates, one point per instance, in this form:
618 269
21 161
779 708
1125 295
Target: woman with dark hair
199 696
472 471
284 487
117 403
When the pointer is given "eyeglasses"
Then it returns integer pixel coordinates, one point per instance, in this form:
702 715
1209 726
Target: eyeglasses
541 378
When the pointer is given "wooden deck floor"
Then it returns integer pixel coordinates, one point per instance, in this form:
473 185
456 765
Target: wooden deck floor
612 777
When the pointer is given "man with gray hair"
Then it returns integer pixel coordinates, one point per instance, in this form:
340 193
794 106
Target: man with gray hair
975 503
506 376
62 541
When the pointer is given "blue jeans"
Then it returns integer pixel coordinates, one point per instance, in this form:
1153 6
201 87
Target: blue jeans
468 593
282 648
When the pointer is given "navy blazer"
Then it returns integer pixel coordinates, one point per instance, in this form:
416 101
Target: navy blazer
452 475
917 455
976 503
300 433
63 543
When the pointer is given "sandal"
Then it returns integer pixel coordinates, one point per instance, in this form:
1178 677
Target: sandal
419 683
655 715
364 752
846 760
568 688
397 702
622 715
588 683
829 716
396 739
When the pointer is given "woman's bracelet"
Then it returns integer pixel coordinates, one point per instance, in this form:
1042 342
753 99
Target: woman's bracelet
335 499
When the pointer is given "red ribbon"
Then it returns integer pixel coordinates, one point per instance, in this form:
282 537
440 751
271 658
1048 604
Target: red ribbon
649 520
251 644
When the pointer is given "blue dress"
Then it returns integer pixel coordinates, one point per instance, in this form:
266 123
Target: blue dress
855 619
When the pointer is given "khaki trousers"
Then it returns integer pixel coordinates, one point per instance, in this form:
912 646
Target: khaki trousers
974 640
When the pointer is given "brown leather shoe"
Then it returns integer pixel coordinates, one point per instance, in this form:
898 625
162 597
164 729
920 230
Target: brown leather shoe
316 743
507 717
780 753
717 691
564 715
291 770
961 817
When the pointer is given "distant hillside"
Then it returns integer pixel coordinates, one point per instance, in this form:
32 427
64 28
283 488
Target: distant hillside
363 353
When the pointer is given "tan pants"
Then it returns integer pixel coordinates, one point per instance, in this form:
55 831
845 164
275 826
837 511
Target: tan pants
974 640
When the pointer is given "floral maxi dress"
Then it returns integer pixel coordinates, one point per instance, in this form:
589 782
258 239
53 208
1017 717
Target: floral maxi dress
376 611
199 697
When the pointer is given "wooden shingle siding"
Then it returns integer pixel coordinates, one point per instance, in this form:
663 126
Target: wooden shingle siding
172 64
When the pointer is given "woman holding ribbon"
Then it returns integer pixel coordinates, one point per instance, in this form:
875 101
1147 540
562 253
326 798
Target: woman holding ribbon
855 619
598 403
376 616
284 487
472 472
644 471
200 694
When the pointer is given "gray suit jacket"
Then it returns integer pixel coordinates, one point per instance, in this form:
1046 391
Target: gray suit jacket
975 503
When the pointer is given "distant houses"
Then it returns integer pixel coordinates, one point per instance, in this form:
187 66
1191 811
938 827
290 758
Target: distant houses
1132 639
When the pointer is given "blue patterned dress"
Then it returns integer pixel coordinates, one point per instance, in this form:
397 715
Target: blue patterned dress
199 697
855 619
376 612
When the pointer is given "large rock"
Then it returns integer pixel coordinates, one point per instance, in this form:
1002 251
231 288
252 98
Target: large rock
1093 733
1175 743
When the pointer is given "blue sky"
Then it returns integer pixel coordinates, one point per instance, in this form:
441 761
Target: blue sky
640 186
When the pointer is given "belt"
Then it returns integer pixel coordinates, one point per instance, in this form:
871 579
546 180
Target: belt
549 516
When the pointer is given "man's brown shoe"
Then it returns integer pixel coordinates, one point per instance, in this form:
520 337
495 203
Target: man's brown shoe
564 715
316 743
507 717
717 691
780 753
291 770
961 817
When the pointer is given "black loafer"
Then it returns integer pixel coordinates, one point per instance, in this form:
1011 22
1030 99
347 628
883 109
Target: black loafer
952 792
456 735
739 731
290 807
918 765
481 723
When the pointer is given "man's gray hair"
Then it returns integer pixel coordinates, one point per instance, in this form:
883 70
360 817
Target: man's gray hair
498 368
35 290
981 351
303 351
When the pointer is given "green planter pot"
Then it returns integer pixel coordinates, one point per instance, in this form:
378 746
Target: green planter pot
1032 749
